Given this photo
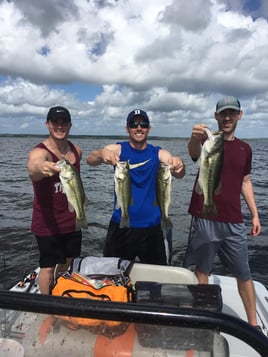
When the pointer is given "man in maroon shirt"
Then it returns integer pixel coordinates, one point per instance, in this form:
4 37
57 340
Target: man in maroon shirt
52 222
224 233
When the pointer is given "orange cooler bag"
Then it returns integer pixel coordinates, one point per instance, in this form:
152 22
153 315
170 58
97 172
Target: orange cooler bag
67 287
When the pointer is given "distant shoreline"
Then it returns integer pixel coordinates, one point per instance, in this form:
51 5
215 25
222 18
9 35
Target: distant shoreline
90 136
116 137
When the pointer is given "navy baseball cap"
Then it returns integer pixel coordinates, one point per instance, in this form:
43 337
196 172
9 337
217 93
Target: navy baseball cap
228 103
137 113
58 112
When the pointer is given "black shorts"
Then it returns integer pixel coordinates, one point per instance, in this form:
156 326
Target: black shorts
55 249
128 243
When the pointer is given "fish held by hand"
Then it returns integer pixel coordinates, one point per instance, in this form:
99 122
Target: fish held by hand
123 191
163 193
211 161
72 186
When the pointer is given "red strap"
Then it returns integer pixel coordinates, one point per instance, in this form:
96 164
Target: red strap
119 346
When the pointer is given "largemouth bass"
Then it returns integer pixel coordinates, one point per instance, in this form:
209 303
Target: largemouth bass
163 193
72 186
123 191
211 161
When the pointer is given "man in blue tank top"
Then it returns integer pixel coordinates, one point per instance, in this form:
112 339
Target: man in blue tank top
142 235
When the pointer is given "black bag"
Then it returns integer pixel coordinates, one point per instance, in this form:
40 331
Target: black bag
197 296
205 297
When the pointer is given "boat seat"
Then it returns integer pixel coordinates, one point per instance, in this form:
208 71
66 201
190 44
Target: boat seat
161 274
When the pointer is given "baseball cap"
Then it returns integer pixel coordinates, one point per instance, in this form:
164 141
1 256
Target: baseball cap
55 113
228 103
137 113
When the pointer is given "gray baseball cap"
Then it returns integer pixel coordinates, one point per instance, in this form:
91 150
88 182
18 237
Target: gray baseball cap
228 103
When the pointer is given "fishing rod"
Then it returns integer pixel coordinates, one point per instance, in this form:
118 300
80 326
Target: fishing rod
28 278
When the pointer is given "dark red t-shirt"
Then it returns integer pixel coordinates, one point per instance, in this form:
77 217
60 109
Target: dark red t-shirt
237 164
51 214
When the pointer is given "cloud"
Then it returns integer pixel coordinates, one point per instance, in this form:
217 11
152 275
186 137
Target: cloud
170 57
190 15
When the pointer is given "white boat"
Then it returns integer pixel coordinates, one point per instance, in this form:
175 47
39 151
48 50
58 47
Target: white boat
29 326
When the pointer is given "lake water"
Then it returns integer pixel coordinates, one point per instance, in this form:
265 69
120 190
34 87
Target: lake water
19 252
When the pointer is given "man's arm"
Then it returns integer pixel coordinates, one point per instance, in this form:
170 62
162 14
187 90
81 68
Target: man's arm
177 167
40 165
108 155
194 143
248 194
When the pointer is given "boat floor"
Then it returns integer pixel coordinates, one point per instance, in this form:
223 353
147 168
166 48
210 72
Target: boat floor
232 305
44 335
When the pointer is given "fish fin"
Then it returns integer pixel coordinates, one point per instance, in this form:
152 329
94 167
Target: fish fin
117 206
209 210
209 133
124 223
218 189
86 202
70 207
198 188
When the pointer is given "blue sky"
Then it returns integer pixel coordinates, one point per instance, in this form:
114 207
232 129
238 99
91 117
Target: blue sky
103 58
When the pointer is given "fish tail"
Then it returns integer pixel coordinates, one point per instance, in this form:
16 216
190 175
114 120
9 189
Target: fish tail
168 244
81 223
198 188
124 223
166 223
209 210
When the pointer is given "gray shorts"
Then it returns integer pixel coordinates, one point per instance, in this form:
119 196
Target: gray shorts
208 238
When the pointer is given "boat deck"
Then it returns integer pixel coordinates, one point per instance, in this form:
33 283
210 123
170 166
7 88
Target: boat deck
43 334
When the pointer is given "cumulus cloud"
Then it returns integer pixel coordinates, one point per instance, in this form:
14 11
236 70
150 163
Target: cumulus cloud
170 57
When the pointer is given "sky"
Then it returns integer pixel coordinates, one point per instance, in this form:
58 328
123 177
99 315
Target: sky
103 58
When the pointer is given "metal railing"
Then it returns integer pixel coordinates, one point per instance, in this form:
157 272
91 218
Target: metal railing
131 312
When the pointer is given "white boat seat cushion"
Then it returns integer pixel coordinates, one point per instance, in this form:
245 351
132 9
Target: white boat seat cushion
161 274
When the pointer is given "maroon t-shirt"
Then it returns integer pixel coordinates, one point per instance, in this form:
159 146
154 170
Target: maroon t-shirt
51 214
237 164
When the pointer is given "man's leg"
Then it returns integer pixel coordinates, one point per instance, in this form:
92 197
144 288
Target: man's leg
46 279
247 293
202 277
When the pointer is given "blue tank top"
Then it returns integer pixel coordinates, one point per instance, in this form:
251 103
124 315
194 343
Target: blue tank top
143 210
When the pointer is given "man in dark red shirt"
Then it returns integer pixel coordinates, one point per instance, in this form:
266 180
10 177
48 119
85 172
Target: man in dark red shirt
52 222
224 233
